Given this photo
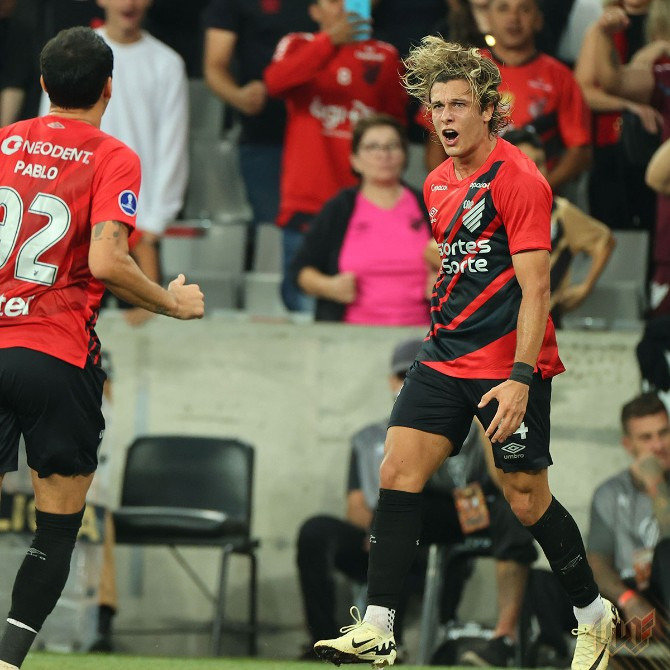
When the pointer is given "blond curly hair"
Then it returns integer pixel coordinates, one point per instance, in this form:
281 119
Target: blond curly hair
435 60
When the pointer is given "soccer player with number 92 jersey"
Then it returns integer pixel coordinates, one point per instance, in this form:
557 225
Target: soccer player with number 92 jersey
68 197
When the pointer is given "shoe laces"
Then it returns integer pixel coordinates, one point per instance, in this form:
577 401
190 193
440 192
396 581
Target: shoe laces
597 631
597 636
356 616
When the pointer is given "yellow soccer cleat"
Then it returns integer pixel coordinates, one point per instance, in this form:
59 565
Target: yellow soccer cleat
359 643
592 650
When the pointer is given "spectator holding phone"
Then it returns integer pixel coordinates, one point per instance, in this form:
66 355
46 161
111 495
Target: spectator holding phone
329 80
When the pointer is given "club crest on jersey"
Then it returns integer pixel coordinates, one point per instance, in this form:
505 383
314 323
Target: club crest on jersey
344 76
128 203
472 220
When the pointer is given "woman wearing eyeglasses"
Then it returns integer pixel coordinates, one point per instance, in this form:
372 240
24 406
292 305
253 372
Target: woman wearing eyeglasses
369 257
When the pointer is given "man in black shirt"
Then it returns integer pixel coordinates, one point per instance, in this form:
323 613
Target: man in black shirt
19 71
179 25
240 40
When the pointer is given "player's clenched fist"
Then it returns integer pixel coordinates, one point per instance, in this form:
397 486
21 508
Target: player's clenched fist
189 299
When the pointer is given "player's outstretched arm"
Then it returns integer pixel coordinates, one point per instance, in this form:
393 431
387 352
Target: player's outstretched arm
110 262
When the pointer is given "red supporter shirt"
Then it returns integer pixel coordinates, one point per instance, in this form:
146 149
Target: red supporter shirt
58 178
544 94
479 223
327 89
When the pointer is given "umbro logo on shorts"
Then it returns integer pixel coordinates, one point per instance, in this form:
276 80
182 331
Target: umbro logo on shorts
513 450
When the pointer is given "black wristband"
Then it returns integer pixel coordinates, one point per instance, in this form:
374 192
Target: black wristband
522 372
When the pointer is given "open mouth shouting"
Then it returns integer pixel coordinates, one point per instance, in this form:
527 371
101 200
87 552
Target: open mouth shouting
450 136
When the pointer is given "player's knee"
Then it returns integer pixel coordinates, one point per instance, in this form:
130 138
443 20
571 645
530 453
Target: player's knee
519 497
400 479
526 503
396 475
522 507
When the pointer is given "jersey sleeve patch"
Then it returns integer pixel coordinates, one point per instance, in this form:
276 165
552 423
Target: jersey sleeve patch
128 202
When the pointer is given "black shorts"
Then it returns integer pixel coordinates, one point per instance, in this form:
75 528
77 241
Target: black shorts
56 407
436 403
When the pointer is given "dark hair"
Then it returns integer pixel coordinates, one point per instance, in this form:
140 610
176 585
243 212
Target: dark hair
462 27
524 136
373 121
643 405
75 66
376 121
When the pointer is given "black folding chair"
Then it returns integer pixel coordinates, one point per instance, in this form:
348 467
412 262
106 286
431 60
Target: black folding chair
182 490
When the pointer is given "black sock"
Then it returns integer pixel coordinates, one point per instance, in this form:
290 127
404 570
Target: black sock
561 541
393 543
16 642
105 616
39 581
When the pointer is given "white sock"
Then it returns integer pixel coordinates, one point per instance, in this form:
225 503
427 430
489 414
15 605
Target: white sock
591 614
6 666
382 617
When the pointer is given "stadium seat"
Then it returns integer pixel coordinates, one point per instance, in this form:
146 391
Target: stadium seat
433 633
205 111
215 190
268 255
618 300
210 255
215 207
262 295
193 491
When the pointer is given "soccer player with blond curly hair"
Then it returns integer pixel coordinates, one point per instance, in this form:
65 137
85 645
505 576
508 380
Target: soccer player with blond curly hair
490 352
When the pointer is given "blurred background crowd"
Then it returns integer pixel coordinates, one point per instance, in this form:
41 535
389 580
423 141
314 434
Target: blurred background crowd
257 154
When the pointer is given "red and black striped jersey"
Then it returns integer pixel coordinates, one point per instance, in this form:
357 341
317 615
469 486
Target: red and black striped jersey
58 178
479 223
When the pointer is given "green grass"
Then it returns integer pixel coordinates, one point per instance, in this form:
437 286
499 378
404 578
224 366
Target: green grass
40 661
